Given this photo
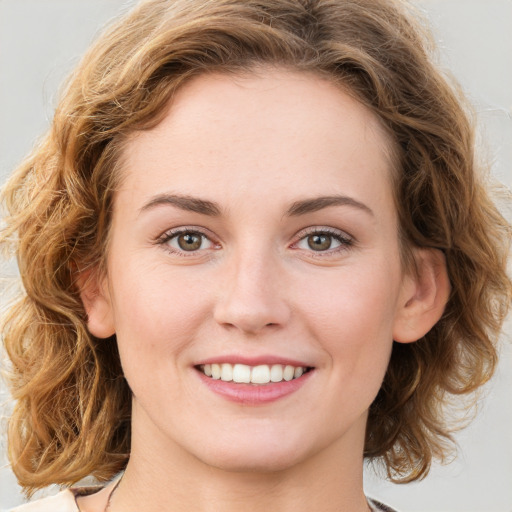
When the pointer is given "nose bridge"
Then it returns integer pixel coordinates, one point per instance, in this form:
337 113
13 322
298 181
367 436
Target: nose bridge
252 296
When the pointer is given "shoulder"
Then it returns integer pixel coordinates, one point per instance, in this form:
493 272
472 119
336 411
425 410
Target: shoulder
377 506
64 501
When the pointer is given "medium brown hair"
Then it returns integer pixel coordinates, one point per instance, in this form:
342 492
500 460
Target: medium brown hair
72 415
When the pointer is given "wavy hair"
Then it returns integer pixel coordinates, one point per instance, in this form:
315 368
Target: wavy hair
72 412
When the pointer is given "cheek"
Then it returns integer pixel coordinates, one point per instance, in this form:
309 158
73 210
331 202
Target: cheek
354 300
351 314
157 298
156 317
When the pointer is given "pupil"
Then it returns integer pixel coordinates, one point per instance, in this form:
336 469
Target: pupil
319 242
189 241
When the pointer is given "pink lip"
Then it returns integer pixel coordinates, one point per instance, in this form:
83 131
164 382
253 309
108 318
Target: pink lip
254 394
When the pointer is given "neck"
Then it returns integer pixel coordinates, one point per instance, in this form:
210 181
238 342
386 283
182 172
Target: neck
172 479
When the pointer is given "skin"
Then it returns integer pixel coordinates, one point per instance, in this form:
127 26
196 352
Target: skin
254 146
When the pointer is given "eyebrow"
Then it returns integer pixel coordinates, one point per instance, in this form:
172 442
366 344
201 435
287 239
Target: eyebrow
187 203
319 203
205 207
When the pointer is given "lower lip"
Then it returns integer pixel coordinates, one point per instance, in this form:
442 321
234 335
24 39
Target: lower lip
254 394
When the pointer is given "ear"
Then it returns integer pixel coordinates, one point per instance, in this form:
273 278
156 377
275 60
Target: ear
425 292
95 297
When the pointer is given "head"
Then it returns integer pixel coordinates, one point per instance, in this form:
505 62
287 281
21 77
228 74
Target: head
62 199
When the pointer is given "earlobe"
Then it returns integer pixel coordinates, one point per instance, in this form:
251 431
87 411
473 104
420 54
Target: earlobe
97 303
425 293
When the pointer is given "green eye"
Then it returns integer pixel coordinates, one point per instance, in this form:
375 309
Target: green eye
189 241
320 242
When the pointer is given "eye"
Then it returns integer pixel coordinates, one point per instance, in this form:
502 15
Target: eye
324 240
321 242
179 241
188 241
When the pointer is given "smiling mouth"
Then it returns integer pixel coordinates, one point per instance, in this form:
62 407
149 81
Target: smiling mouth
245 374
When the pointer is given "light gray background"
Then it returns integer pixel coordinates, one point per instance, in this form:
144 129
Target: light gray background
41 40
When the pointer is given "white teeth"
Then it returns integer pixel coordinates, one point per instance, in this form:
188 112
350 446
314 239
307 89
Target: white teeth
216 371
261 374
242 373
276 373
226 372
288 372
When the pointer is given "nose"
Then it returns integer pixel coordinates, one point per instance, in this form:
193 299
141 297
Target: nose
252 298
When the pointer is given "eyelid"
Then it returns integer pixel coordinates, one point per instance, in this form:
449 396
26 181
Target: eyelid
169 234
346 240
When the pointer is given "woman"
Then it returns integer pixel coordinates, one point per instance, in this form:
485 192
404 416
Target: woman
256 242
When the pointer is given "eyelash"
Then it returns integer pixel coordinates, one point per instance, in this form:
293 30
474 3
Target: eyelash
345 241
165 239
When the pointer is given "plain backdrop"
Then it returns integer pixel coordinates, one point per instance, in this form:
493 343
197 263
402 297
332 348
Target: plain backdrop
42 40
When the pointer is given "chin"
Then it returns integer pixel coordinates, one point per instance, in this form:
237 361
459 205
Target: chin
250 455
259 463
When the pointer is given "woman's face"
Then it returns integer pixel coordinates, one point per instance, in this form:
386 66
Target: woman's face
254 237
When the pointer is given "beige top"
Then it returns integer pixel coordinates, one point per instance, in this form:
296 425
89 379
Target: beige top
65 501
62 502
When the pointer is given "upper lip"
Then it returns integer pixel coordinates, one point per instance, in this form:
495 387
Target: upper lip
254 361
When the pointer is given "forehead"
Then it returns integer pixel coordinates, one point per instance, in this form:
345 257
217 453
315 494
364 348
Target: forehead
230 130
